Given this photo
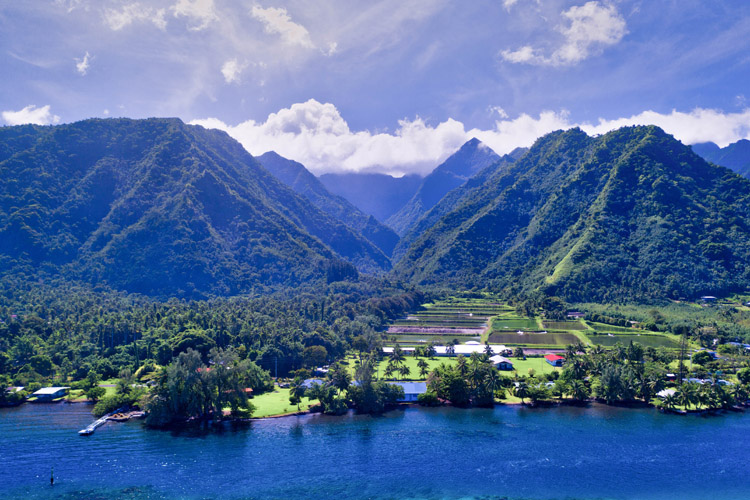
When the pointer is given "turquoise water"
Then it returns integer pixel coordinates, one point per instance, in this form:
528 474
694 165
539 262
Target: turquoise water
444 453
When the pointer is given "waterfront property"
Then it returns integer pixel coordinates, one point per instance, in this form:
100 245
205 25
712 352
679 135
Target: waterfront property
412 390
554 359
50 393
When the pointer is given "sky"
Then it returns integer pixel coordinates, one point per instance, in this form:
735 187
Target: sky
391 86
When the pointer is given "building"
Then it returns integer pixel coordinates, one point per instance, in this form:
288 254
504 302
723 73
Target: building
501 363
554 359
412 390
462 349
307 384
50 393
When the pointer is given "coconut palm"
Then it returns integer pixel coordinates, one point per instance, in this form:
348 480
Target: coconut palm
670 401
397 355
578 390
405 371
521 391
424 368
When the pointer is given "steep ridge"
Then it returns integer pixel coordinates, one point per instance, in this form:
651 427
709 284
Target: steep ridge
735 156
630 215
379 195
161 208
301 180
472 157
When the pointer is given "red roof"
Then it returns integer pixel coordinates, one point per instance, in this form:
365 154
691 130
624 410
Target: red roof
553 357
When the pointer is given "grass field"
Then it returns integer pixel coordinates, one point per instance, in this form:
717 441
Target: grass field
500 324
277 403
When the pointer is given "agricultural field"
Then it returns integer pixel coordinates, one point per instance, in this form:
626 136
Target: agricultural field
488 320
625 339
534 339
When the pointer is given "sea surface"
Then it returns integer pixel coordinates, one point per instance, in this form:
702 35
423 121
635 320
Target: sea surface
442 453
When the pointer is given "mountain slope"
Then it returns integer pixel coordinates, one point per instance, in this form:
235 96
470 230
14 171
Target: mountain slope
735 156
297 177
162 208
379 195
630 215
464 163
451 201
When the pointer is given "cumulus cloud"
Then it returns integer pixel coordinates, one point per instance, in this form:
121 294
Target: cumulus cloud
278 22
231 70
199 12
134 13
82 65
316 135
30 114
588 29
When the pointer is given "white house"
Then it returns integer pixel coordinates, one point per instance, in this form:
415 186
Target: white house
412 390
50 393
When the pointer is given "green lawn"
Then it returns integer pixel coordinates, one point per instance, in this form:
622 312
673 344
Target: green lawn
277 403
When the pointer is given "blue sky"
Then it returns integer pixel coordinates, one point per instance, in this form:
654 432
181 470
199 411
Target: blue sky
392 86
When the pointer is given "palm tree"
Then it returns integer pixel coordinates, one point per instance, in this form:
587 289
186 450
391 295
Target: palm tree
578 390
687 394
670 401
493 381
461 365
424 368
521 391
405 371
397 355
740 393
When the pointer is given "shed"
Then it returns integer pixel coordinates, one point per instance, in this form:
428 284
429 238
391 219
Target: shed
554 359
501 363
412 390
50 393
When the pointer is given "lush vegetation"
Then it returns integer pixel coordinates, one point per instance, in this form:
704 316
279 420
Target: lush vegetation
160 208
632 215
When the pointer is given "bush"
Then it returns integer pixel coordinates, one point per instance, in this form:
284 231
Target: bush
428 398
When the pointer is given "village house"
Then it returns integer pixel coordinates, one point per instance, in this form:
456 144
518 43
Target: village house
501 362
554 359
50 393
412 390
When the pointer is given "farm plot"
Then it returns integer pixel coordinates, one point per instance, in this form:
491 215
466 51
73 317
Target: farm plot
500 324
563 325
645 340
561 339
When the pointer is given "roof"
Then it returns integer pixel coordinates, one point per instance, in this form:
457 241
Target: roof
500 359
553 357
665 393
465 349
412 387
311 381
48 391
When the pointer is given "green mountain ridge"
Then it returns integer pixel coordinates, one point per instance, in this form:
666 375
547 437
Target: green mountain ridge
302 181
472 157
161 208
633 214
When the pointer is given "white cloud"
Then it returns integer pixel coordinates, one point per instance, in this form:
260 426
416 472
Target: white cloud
30 114
82 65
133 13
200 12
277 21
317 136
590 27
698 125
231 70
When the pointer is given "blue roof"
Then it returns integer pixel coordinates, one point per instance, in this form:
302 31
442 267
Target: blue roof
412 387
311 381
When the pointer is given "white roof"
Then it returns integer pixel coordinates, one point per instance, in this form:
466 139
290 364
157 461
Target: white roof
666 392
465 349
497 359
48 391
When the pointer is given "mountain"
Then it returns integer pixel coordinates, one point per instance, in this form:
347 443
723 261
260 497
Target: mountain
379 195
735 156
464 163
451 201
301 180
160 208
631 215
